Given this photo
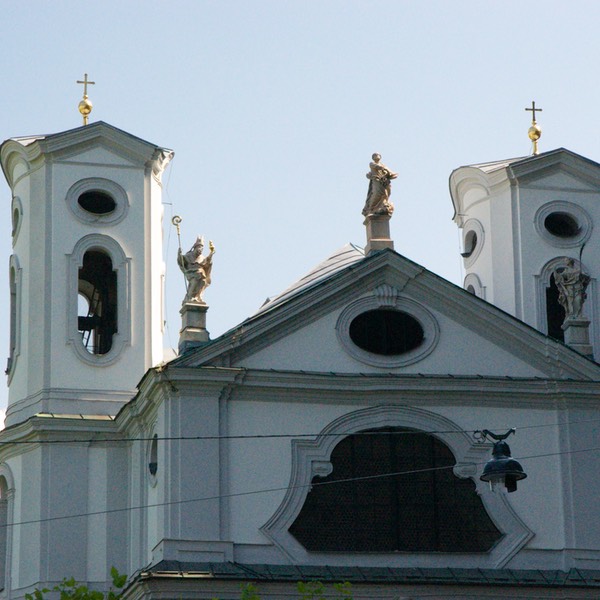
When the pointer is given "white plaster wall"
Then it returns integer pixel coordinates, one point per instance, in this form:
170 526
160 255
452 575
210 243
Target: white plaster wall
48 235
459 351
264 464
536 251
503 248
482 267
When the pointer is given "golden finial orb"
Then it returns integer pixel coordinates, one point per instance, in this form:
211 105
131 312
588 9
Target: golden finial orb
534 132
85 106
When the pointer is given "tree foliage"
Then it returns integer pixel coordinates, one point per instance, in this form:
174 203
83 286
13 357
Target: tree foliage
69 589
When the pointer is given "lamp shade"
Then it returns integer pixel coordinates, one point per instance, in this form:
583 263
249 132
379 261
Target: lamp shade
501 469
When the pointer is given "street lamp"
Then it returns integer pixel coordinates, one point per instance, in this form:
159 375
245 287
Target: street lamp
502 469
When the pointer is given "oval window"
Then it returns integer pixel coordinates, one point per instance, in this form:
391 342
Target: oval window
470 243
562 224
97 203
387 332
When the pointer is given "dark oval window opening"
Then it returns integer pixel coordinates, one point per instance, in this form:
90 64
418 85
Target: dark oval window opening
562 225
385 331
470 244
98 203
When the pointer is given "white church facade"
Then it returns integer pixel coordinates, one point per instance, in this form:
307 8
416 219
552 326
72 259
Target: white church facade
336 435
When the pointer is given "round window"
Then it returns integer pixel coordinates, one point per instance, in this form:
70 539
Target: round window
562 224
386 332
96 202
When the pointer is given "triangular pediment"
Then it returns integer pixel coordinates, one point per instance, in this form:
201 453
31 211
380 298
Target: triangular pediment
98 143
98 152
559 170
461 335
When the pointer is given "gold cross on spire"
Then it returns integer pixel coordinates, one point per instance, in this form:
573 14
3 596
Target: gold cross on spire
535 131
85 106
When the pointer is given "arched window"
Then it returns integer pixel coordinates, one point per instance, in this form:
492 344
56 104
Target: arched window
438 514
99 315
14 281
427 509
474 286
550 313
97 287
555 313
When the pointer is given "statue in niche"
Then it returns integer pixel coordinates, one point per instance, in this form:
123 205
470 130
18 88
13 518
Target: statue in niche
197 269
572 285
378 196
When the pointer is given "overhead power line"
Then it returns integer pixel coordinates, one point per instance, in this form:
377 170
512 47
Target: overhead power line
258 436
275 489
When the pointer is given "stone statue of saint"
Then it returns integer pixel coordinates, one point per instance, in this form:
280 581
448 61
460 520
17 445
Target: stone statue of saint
571 284
378 196
196 269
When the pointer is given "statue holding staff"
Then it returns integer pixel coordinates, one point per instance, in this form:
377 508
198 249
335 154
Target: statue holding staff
196 269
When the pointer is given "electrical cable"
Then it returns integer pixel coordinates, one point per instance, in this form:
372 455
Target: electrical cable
276 489
107 440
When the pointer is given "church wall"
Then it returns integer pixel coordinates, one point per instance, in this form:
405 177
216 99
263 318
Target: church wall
192 468
249 471
503 247
28 499
116 466
457 351
64 470
538 251
482 265
581 432
30 371
154 293
19 379
68 369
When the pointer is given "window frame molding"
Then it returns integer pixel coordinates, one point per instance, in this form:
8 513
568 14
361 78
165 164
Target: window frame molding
471 279
15 330
562 206
121 264
5 571
386 296
476 227
16 206
311 458
99 184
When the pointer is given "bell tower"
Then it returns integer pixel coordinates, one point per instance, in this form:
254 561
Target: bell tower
86 270
526 224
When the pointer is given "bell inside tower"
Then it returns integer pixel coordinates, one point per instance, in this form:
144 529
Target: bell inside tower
97 306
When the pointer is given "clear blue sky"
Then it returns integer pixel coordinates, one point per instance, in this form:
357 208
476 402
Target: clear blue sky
274 108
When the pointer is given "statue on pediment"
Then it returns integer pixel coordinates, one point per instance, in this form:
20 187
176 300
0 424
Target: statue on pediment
378 196
197 269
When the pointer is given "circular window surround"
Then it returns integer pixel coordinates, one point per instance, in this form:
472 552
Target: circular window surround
17 217
571 210
473 228
106 186
386 296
